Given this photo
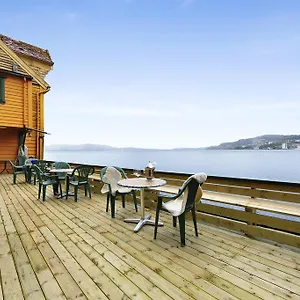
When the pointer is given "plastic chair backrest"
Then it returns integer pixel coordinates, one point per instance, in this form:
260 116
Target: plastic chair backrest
42 164
21 160
83 172
40 174
60 165
111 176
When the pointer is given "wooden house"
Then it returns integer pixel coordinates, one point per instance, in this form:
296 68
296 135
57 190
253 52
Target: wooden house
23 68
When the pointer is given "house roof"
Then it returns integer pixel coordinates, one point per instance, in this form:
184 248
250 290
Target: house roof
23 48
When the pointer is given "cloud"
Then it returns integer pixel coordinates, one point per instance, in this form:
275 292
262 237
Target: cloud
185 3
71 16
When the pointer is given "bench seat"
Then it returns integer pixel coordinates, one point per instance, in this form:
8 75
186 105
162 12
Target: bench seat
94 177
292 209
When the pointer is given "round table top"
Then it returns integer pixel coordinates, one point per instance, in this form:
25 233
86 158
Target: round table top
61 170
141 182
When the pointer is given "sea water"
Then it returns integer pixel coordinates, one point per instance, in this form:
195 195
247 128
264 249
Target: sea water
277 165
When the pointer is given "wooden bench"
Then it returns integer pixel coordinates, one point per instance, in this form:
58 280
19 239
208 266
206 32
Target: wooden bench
291 209
257 208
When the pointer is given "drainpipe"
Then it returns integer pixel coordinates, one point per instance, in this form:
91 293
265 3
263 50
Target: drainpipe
40 109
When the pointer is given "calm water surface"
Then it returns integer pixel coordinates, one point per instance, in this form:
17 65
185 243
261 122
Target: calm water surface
258 164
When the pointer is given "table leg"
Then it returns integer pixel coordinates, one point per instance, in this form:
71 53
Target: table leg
4 167
59 196
144 220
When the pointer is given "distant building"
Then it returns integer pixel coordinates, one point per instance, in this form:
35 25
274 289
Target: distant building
284 146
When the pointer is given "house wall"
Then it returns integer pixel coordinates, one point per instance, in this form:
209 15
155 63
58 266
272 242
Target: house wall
13 112
7 63
8 143
39 67
22 107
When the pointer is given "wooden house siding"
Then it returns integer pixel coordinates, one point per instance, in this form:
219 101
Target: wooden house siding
40 68
32 141
7 63
14 111
9 143
24 88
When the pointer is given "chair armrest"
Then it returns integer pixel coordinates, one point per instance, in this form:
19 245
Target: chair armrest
20 167
167 195
70 176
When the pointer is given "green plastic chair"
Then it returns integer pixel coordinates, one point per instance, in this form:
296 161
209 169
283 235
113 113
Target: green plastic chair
44 180
19 167
42 164
189 194
30 173
60 176
61 165
110 177
79 176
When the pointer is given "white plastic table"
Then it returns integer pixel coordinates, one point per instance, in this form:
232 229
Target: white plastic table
141 183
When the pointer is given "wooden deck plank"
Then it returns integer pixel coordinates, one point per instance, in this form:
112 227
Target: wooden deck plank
284 295
267 284
63 278
243 293
30 286
77 245
49 285
1 292
112 290
10 285
142 268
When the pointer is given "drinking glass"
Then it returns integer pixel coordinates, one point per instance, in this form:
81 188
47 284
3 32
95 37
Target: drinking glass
137 173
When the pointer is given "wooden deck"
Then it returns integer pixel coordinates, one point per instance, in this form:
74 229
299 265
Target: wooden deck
60 249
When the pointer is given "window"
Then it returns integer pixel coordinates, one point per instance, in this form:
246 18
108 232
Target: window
2 90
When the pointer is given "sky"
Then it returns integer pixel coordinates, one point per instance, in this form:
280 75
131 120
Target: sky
164 73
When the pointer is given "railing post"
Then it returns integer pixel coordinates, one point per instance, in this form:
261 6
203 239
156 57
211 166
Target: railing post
251 211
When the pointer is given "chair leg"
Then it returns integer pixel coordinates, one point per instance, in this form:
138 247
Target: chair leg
174 221
67 189
15 178
40 189
134 200
90 193
182 228
195 221
44 192
158 207
75 192
123 201
60 189
112 205
34 179
107 202
85 190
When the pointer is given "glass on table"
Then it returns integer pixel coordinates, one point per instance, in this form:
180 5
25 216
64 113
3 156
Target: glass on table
137 173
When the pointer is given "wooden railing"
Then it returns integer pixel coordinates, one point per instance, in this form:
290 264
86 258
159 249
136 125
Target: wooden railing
258 208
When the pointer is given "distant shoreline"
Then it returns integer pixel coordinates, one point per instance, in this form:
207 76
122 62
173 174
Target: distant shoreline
142 149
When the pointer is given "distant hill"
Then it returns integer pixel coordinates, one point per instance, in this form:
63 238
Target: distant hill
264 142
82 147
96 147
